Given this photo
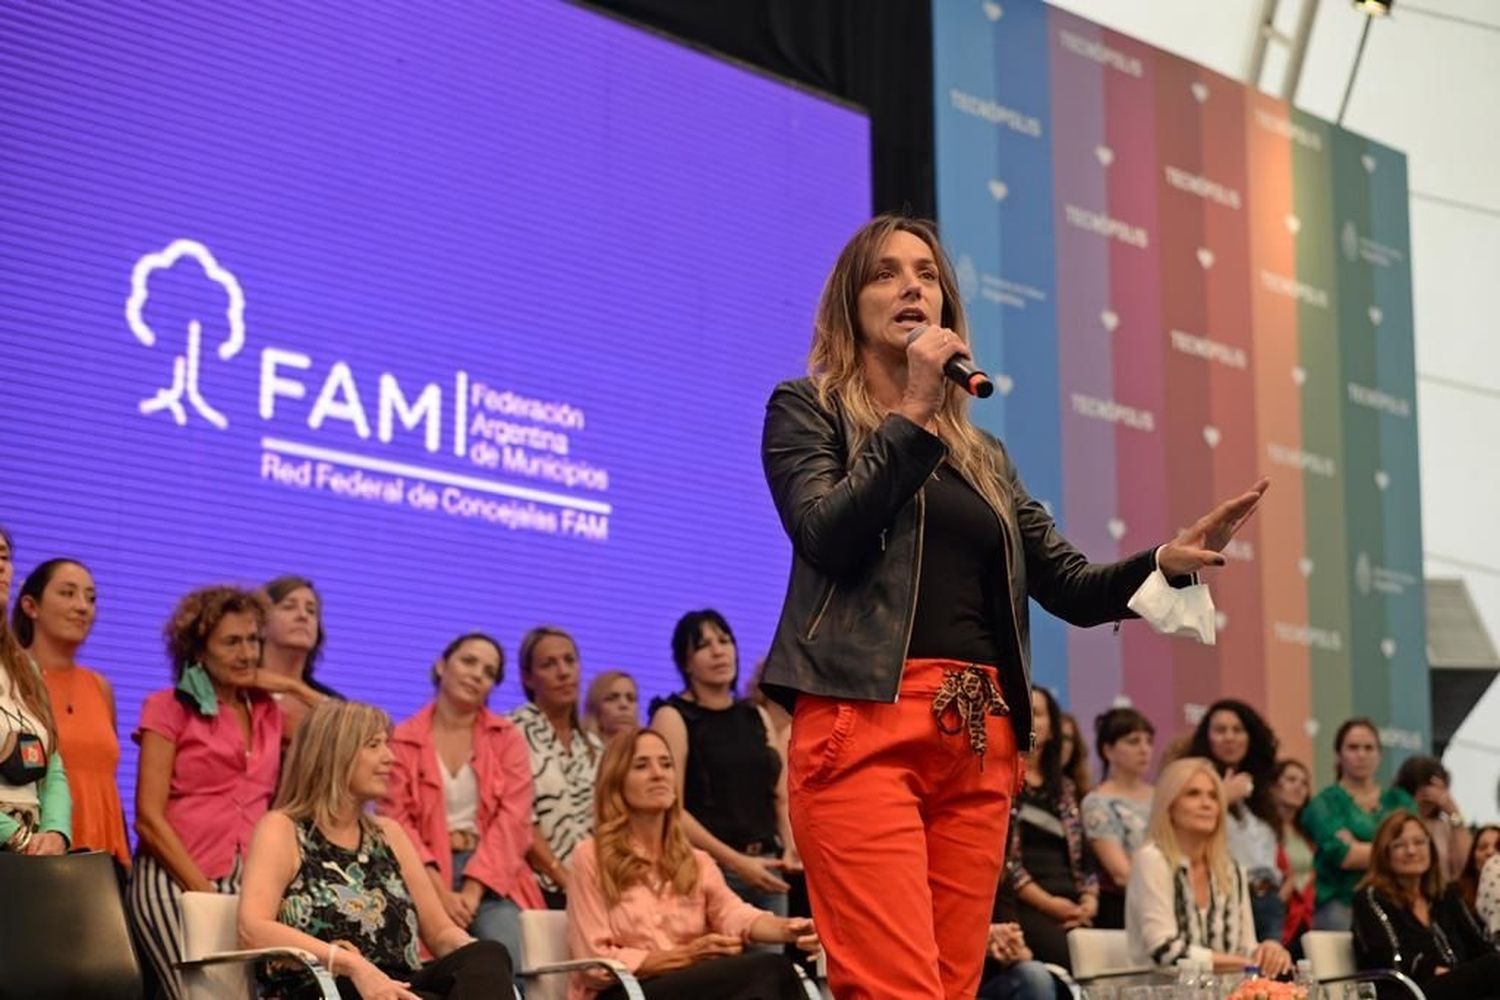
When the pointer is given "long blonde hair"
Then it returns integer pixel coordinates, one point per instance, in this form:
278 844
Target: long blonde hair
620 866
837 371
318 774
25 676
1170 785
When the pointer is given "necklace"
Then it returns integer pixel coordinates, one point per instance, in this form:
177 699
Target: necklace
70 688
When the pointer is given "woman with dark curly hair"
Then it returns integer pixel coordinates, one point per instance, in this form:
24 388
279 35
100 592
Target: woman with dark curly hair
210 756
1242 748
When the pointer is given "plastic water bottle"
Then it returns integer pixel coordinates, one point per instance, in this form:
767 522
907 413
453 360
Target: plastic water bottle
1187 980
1305 979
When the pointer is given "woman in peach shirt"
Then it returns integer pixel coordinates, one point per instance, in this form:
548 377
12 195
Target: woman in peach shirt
640 894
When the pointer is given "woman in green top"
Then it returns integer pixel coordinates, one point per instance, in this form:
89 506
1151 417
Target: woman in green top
1341 821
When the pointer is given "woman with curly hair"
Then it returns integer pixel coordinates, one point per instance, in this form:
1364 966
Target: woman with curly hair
325 875
641 894
1242 748
210 755
35 805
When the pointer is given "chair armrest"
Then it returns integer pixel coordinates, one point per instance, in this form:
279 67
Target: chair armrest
1065 977
1140 970
306 958
809 987
627 980
1376 975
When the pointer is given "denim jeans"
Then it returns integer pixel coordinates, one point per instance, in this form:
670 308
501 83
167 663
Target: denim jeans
1333 916
774 902
1270 915
1022 981
498 918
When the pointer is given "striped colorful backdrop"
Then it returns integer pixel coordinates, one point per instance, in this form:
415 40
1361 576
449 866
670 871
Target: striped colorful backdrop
1182 284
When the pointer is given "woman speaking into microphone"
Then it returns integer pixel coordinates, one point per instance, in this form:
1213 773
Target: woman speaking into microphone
902 649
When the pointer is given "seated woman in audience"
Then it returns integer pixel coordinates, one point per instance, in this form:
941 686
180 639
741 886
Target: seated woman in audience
1075 756
731 771
1294 856
1115 813
294 641
564 756
1011 971
1242 748
326 876
53 615
1393 919
210 754
640 894
612 705
1425 779
461 789
35 807
1457 911
1047 887
1342 818
1187 898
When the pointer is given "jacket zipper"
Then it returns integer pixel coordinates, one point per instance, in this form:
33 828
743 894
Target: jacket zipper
916 584
1015 615
812 630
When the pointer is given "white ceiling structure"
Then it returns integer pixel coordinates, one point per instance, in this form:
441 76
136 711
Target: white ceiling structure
1428 84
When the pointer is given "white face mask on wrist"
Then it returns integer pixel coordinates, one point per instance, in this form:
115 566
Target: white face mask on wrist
1187 611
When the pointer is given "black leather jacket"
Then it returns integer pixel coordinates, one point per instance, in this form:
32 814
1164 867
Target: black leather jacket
856 530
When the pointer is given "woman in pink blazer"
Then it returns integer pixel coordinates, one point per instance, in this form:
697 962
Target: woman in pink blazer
461 788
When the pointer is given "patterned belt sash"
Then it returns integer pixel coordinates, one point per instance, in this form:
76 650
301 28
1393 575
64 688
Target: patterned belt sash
969 694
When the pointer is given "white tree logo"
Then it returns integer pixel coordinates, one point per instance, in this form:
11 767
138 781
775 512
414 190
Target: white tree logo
186 365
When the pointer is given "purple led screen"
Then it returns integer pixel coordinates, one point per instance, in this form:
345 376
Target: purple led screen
467 312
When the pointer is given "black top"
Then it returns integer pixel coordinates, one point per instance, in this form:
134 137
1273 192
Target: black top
730 783
961 544
1387 935
1462 925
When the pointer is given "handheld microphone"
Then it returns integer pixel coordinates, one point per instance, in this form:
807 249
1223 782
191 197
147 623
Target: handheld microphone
961 370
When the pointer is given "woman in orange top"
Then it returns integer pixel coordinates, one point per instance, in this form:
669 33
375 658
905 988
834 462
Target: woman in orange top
52 618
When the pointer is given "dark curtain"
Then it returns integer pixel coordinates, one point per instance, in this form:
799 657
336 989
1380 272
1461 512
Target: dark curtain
873 53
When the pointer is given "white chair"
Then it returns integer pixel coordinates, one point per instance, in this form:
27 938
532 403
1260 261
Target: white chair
1102 954
214 967
1332 956
544 958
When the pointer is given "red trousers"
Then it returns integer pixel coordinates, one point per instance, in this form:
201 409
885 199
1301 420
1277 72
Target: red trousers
903 837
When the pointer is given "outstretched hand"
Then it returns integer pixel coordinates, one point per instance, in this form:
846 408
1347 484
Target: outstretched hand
1202 543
